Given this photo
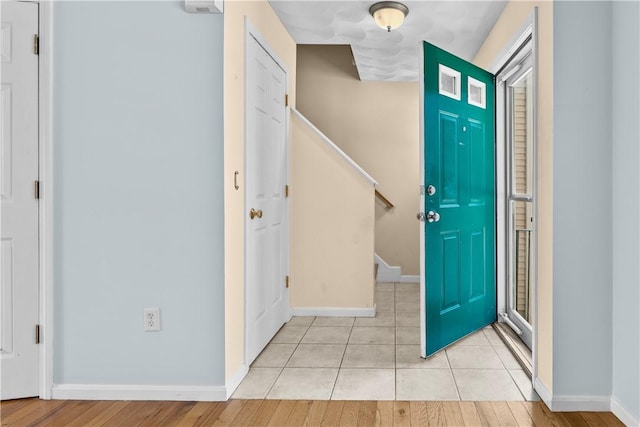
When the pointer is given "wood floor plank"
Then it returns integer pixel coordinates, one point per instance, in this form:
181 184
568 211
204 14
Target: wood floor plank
51 414
248 411
8 407
108 413
66 414
282 413
98 408
574 419
435 414
555 417
180 412
316 413
541 415
367 415
610 419
299 413
503 414
122 417
264 413
32 411
401 413
601 419
418 413
453 414
470 414
521 415
161 413
194 413
145 411
384 413
487 414
349 417
210 417
333 413
229 413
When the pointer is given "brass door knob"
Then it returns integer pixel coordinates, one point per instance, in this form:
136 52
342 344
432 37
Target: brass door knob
255 213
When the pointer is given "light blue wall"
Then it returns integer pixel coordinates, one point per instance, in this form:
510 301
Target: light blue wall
582 248
138 157
626 205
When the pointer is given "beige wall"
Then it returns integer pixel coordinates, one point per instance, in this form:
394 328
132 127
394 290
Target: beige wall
332 226
375 123
511 21
264 20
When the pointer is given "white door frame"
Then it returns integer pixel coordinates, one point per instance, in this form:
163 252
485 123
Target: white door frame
45 211
251 32
529 28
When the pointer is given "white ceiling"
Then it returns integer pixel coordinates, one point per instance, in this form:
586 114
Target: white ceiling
459 27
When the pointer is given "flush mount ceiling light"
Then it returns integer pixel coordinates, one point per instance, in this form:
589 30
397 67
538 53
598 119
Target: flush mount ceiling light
389 15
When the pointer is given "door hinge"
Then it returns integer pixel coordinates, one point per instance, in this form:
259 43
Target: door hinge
36 44
286 191
286 99
36 189
37 334
286 281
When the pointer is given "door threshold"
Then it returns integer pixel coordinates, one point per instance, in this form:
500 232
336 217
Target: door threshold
519 350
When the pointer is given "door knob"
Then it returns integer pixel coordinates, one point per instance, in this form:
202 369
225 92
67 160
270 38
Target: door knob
255 213
433 216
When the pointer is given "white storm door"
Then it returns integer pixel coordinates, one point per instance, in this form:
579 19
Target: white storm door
267 298
19 162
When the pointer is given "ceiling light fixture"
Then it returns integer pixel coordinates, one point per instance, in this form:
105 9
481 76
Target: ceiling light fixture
389 15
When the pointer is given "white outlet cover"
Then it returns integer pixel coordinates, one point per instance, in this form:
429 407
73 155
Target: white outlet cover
151 319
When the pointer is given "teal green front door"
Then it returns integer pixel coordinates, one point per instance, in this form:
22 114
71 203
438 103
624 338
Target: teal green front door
459 198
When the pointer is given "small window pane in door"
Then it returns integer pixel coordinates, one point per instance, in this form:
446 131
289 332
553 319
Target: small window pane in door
476 93
522 133
521 224
449 82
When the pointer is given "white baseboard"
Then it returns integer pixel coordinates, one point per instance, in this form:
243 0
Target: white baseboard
623 414
543 392
585 403
581 403
405 278
335 311
138 392
236 379
388 273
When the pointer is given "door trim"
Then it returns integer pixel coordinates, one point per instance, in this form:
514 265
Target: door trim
45 208
528 29
421 208
251 32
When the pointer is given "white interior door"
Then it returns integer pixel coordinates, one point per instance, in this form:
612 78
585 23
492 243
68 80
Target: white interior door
267 298
19 247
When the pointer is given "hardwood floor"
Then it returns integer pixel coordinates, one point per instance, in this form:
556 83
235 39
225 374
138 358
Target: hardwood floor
297 413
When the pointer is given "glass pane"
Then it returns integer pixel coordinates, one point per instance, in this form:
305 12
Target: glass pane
521 132
521 224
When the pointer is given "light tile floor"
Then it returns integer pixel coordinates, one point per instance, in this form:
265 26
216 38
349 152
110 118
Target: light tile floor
346 358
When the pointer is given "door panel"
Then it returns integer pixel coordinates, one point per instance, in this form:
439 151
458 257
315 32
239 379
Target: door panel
459 255
266 162
19 162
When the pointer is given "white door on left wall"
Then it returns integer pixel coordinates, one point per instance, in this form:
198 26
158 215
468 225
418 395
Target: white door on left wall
267 299
19 265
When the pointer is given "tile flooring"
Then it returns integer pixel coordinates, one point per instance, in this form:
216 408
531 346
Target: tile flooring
346 358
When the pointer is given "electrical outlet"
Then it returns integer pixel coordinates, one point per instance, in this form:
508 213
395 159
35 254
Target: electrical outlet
152 319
